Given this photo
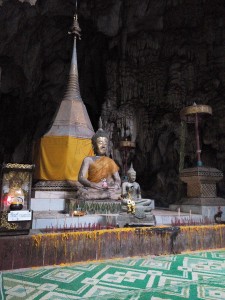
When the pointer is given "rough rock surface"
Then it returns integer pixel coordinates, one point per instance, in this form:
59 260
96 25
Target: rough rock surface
140 63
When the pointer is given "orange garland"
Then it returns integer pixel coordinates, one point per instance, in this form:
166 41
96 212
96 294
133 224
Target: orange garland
144 231
97 233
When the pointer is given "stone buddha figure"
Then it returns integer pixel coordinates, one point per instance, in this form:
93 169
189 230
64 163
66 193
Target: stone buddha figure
131 192
99 174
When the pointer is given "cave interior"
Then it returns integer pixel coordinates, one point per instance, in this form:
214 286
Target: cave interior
140 63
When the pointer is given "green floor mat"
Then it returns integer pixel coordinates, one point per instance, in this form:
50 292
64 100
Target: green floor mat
198 275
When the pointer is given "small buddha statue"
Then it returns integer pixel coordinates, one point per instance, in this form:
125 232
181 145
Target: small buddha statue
15 196
131 191
99 174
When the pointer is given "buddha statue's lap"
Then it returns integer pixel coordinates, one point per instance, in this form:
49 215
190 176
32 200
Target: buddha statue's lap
99 174
85 193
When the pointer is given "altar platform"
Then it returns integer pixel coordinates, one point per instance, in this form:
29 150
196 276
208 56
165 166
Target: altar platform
58 238
47 220
60 247
50 213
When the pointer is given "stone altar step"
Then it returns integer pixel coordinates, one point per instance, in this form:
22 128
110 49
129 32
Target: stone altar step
168 217
49 219
52 194
48 204
61 204
44 220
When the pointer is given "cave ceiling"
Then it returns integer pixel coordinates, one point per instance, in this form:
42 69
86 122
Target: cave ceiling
140 63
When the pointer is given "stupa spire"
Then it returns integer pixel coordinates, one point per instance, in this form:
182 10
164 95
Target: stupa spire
72 118
73 90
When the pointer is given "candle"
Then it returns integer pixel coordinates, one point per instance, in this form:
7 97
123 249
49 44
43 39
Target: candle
179 212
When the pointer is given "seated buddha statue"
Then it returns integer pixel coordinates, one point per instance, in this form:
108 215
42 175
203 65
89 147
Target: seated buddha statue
15 197
131 195
99 174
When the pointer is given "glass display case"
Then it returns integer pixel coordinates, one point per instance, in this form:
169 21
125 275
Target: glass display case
16 182
16 186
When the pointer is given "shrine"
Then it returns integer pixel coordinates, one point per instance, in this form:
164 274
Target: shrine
200 180
112 146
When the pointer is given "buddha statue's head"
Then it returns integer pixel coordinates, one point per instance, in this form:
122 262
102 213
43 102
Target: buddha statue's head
100 141
131 174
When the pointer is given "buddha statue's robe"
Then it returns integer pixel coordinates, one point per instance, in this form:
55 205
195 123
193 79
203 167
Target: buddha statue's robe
102 168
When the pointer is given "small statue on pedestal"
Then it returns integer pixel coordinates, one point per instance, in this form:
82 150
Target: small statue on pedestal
15 194
131 191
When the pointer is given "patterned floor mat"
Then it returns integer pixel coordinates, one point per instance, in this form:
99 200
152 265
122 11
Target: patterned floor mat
198 275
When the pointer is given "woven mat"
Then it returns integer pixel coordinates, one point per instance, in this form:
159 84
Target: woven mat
197 275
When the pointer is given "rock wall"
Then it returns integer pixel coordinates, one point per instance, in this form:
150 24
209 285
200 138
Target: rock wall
140 63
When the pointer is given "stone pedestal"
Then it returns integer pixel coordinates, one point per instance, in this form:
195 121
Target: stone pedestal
125 220
93 206
201 191
51 195
201 181
96 206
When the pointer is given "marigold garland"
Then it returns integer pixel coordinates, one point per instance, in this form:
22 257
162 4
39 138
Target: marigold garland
148 231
